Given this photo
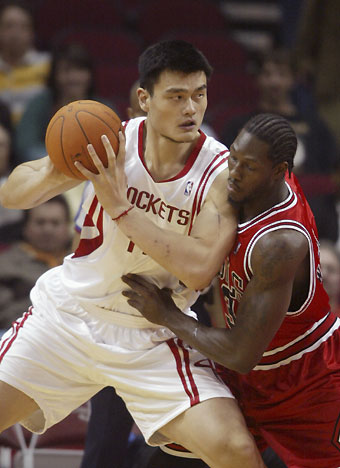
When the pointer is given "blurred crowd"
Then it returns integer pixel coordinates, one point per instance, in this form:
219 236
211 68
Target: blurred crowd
52 53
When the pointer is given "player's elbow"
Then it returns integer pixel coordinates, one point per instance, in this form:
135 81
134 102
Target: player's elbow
5 199
200 275
241 363
12 201
198 280
244 367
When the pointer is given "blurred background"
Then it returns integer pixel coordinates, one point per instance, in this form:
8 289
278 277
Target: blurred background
277 56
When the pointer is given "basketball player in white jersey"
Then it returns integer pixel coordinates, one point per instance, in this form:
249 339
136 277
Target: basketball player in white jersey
81 335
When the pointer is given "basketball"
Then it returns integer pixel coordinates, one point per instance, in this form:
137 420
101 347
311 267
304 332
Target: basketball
73 127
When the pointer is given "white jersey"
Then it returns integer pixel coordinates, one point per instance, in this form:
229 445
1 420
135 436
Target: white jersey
93 274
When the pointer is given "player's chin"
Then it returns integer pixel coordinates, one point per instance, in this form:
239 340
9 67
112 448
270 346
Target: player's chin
235 198
186 136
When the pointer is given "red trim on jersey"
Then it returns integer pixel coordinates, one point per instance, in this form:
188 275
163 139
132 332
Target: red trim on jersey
196 206
192 158
299 345
192 393
205 183
177 447
7 343
189 163
140 143
86 246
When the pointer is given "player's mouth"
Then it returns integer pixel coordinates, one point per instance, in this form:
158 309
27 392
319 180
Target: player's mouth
188 125
232 187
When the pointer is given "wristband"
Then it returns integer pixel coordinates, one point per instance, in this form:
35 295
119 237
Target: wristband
123 214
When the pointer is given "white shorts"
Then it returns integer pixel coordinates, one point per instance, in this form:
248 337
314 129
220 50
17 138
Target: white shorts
62 356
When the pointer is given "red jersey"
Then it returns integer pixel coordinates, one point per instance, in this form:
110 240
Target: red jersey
301 329
291 399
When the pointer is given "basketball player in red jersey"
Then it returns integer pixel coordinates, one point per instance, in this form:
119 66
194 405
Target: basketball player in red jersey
81 335
280 349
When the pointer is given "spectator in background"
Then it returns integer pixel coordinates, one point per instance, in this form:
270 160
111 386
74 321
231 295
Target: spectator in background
23 69
317 57
330 265
72 77
317 154
46 239
9 219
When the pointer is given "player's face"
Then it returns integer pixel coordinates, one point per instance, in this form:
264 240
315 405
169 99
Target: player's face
177 106
251 172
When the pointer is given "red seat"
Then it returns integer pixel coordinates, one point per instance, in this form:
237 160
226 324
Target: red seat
162 17
114 82
221 116
116 46
53 16
222 51
231 89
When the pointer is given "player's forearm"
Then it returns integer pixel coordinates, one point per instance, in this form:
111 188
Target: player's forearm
218 344
187 258
32 183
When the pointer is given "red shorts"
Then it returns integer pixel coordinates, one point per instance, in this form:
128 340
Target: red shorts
295 409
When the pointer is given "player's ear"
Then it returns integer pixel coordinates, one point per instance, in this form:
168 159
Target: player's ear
280 169
143 98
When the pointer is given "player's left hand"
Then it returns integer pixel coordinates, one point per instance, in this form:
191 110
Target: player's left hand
153 303
110 183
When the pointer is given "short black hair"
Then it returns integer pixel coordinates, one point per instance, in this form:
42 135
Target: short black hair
278 133
174 55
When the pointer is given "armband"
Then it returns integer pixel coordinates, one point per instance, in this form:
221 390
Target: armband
123 214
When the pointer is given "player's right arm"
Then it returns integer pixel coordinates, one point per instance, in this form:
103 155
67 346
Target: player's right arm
33 183
194 259
277 259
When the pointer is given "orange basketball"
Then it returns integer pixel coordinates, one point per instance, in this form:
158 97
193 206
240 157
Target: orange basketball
76 125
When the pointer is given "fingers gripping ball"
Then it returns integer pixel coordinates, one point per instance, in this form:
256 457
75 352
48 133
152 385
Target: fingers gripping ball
76 125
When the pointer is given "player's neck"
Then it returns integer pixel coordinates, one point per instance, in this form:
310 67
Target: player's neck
263 202
163 157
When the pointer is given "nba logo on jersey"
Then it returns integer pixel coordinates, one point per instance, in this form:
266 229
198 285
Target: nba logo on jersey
188 188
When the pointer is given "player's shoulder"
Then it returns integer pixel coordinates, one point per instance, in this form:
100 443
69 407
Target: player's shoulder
132 124
214 146
281 243
133 134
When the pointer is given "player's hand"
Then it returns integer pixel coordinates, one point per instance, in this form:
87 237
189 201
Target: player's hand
110 183
153 303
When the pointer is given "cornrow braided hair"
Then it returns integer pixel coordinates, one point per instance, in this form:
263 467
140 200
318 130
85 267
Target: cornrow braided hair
278 133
